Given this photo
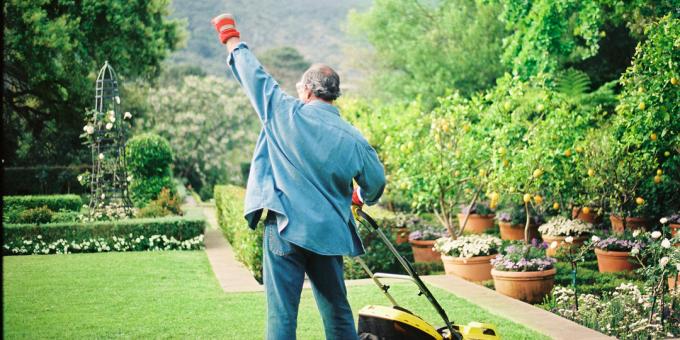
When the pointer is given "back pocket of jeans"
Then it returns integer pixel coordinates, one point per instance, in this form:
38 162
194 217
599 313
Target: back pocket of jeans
277 244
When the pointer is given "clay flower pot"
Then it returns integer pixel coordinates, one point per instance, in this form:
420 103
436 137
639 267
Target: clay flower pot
590 217
476 224
561 243
476 268
615 261
401 235
632 223
423 252
516 232
531 287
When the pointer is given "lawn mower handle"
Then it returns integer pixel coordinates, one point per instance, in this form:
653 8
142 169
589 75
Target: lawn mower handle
410 271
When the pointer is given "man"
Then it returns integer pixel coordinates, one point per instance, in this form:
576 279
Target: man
305 160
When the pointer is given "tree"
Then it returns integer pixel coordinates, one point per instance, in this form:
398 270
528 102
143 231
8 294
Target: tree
53 48
209 124
286 64
431 49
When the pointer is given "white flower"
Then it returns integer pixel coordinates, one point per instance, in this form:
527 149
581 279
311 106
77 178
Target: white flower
103 196
666 243
656 234
109 126
553 245
635 251
127 115
80 178
117 99
595 238
569 239
663 261
663 220
636 233
677 266
112 119
101 156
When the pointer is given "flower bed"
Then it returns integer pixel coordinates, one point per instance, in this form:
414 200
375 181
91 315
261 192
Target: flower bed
125 235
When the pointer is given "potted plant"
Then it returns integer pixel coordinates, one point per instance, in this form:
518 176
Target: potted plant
614 252
422 242
524 272
511 223
586 214
673 222
479 218
402 226
559 228
469 257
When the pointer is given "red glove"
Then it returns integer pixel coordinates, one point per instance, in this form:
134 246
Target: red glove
356 198
226 27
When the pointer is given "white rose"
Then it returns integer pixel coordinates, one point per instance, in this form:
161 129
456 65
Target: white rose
635 251
656 234
595 238
117 100
103 196
80 178
569 239
663 261
101 156
553 245
127 115
109 126
112 119
636 233
663 220
666 243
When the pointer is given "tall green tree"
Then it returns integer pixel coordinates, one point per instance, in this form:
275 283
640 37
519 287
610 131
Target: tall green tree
431 47
286 64
53 49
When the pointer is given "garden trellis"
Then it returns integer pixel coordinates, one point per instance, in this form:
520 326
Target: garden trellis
107 132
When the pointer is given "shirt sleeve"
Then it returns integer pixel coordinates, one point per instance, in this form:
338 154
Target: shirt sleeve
264 92
371 176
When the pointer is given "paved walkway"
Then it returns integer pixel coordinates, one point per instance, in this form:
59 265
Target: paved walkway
234 277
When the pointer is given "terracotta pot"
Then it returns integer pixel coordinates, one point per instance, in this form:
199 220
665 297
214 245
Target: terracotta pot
516 232
477 268
423 252
672 281
531 287
401 235
590 217
578 240
675 229
476 224
632 223
615 261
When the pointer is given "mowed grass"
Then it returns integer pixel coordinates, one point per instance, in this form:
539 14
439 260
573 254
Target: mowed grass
170 295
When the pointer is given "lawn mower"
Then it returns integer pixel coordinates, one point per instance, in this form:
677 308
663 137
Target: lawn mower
396 322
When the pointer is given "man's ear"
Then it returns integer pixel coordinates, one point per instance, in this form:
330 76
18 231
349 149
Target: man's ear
308 96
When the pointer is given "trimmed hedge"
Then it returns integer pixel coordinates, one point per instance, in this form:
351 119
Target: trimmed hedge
53 202
247 244
174 229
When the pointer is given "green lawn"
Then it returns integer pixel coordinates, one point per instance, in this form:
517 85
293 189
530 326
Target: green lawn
168 295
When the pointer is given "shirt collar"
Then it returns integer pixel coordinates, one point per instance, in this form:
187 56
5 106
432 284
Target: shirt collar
325 106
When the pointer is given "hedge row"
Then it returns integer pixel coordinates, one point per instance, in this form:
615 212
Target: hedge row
53 202
178 232
247 244
43 180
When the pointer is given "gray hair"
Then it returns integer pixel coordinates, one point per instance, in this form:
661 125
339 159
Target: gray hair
322 81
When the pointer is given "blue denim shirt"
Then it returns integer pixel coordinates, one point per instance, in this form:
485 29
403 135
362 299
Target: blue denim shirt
304 162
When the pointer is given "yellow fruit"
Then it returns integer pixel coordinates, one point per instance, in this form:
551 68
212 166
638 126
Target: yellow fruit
388 139
539 107
506 162
585 210
538 173
494 196
410 145
507 106
403 186
674 81
567 153
667 153
501 151
642 106
527 198
591 172
640 201
603 34
538 199
556 205
579 149
652 136
466 127
657 179
456 173
482 173
403 148
659 172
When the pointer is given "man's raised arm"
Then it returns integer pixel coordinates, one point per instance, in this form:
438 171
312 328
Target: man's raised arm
264 92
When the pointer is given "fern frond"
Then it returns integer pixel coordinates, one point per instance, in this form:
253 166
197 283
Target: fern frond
573 83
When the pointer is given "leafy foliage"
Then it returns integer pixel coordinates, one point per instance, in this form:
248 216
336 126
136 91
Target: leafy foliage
149 157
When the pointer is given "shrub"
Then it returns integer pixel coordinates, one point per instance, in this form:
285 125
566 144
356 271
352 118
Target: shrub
247 243
469 246
523 257
93 236
53 202
149 157
65 216
36 215
153 210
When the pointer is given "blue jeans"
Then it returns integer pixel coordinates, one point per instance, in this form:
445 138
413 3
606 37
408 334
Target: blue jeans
284 268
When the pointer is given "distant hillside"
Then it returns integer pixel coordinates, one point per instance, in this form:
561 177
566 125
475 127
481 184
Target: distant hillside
312 27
